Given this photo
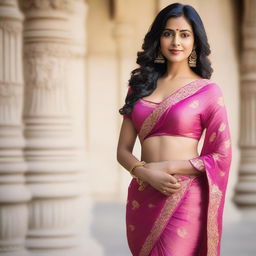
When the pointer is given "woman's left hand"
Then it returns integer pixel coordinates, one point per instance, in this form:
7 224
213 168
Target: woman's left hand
172 166
157 174
181 167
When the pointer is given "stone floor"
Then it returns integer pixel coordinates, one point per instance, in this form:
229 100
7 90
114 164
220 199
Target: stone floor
108 228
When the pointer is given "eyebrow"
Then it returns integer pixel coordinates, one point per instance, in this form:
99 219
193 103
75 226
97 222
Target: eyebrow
182 30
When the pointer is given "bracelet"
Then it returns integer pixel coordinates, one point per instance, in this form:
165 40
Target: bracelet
139 163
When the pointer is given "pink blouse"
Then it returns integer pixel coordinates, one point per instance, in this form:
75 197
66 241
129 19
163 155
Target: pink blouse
187 118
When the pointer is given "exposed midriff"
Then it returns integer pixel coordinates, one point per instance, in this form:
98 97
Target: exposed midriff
166 147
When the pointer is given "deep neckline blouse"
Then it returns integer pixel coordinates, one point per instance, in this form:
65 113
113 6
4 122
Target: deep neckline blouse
174 92
185 118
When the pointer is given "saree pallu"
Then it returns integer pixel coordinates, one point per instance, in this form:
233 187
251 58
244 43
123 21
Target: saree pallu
151 216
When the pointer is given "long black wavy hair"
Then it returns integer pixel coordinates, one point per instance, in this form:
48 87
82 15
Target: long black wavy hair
143 79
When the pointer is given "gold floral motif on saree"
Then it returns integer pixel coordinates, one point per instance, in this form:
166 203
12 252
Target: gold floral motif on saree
151 206
212 226
194 104
135 204
180 94
198 163
142 185
131 227
212 137
222 173
182 232
216 156
165 214
222 127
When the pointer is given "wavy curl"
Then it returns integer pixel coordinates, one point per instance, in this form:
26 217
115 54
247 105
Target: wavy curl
143 79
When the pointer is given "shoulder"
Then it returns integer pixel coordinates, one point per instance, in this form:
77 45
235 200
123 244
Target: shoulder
213 89
214 97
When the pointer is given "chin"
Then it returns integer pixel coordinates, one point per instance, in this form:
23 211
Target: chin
176 60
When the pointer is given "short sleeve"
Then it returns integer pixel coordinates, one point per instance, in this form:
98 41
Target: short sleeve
127 116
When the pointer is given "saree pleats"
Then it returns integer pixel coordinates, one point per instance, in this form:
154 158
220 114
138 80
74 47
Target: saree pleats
186 229
147 214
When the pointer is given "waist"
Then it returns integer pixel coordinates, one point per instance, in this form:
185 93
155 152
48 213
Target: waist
162 148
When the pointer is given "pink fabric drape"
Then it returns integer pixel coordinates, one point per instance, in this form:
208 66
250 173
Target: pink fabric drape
149 213
185 231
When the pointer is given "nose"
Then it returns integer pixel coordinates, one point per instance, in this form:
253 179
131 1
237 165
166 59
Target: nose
175 41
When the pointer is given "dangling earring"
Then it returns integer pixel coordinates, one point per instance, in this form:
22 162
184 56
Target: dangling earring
159 58
192 58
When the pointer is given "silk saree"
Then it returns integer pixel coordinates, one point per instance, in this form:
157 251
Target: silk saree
148 211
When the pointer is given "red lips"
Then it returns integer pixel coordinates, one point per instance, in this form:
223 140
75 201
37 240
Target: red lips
173 51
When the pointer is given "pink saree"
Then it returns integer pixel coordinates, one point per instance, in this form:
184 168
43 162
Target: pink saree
189 222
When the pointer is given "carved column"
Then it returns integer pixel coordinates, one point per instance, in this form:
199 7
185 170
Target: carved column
245 195
59 211
13 192
125 52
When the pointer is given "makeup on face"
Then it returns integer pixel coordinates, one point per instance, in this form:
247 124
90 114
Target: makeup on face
177 29
177 37
175 52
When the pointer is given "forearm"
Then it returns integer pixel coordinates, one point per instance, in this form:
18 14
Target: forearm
183 167
126 158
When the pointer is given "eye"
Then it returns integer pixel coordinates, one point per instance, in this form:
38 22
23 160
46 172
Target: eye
167 33
185 35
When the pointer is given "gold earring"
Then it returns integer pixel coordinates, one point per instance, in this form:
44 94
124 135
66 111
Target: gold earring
192 58
159 58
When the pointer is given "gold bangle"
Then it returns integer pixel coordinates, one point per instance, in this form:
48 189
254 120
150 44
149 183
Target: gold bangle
139 163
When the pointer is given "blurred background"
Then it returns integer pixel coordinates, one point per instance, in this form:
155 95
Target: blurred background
64 70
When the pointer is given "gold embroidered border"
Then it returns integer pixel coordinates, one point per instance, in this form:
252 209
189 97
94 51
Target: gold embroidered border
165 214
213 235
197 163
175 97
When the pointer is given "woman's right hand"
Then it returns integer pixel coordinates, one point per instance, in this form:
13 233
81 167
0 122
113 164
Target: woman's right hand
156 174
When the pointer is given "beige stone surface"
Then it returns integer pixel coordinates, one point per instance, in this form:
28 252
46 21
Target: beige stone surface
78 56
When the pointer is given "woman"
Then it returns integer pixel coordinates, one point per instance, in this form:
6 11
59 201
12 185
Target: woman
176 198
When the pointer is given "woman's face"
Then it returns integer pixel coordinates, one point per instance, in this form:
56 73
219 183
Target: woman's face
177 35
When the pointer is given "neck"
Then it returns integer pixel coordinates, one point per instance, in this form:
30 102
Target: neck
177 70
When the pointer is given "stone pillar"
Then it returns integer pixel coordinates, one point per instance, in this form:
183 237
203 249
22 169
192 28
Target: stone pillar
126 54
77 82
59 211
13 192
245 195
